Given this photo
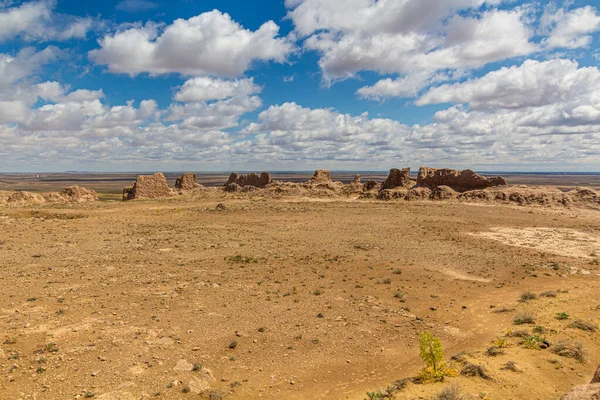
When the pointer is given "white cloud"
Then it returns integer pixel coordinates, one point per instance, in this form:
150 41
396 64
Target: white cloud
36 21
532 84
412 38
570 29
222 114
208 44
204 89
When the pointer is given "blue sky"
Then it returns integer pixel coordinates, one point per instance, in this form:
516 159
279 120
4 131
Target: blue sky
299 84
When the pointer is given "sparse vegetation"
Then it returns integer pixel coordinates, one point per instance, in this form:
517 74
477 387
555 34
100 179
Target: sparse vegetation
526 317
471 369
562 316
584 325
452 392
567 348
526 296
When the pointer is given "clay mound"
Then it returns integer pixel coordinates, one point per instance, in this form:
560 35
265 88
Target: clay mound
24 198
148 187
355 186
372 185
76 194
397 178
583 392
233 188
459 180
252 179
443 193
392 194
417 194
188 181
321 176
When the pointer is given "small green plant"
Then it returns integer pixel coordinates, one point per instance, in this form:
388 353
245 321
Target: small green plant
533 342
431 351
317 292
89 395
186 389
378 395
562 315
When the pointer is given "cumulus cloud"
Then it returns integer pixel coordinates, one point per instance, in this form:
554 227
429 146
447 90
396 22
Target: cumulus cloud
36 21
204 89
569 29
423 42
412 38
211 43
532 84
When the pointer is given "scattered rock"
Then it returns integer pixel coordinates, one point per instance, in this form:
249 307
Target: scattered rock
183 365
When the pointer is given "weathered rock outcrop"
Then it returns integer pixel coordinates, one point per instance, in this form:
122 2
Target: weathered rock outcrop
252 179
584 392
458 180
372 185
148 187
356 186
187 181
321 176
397 178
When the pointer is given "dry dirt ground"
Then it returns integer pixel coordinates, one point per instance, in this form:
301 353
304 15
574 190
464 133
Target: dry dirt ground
289 299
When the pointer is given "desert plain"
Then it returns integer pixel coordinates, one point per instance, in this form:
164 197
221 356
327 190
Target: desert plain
223 295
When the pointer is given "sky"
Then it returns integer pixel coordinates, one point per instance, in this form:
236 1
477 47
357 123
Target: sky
206 85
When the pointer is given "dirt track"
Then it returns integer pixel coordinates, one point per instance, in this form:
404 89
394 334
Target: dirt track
324 299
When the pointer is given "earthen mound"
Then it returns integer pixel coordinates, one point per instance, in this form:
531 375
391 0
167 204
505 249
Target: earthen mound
76 194
418 193
321 176
253 179
372 185
148 187
233 188
443 193
392 194
187 181
458 180
24 198
397 178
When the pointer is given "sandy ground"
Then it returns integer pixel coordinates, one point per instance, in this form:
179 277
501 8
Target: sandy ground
294 299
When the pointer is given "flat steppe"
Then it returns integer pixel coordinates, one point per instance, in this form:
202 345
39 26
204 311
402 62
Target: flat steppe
291 298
